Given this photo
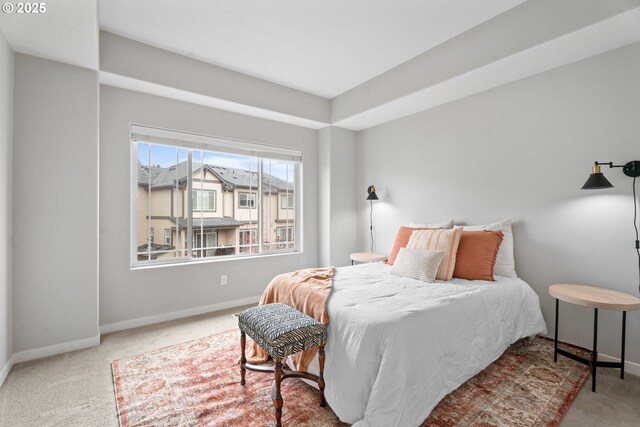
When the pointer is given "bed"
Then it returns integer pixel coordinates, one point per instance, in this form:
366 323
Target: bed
397 345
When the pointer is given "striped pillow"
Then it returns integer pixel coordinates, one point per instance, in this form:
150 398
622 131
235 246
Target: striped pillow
439 240
417 264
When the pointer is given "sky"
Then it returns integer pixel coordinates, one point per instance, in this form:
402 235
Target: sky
165 156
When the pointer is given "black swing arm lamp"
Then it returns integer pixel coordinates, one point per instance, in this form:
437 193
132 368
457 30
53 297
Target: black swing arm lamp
371 196
598 181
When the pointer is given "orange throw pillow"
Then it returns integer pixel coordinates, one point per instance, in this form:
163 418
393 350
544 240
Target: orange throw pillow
477 255
438 240
402 238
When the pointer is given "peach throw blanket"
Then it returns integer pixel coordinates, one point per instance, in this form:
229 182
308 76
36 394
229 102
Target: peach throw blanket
306 291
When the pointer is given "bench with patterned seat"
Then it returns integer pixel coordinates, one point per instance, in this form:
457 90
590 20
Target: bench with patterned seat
281 331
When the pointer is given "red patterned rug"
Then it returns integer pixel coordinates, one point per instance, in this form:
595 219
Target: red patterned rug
198 384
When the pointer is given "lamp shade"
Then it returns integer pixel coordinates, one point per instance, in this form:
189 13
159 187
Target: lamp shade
596 180
372 193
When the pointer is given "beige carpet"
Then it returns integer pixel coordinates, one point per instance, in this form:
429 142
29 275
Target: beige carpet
76 389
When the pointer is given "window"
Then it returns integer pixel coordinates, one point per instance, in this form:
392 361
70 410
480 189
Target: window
205 244
246 200
284 234
204 200
213 198
248 241
286 201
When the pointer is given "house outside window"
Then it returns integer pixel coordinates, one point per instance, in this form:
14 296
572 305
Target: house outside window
212 197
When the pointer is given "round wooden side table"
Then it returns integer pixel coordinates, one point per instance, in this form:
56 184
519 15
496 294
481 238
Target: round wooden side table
364 257
596 298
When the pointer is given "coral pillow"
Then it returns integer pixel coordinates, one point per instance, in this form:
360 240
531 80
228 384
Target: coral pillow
505 264
402 238
438 240
477 253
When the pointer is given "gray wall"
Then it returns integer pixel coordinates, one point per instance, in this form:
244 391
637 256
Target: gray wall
6 157
55 203
523 150
337 195
127 294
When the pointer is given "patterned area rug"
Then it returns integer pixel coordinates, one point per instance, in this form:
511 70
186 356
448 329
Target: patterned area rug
198 383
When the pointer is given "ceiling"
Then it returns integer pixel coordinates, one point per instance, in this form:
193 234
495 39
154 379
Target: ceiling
66 32
322 47
377 60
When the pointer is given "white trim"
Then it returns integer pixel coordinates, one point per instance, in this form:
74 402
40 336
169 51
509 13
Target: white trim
218 143
158 318
52 350
5 370
137 85
629 367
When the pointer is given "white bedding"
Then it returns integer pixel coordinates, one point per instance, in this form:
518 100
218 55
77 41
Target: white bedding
397 346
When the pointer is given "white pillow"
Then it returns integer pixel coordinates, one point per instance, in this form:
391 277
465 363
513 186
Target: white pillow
505 264
443 224
418 264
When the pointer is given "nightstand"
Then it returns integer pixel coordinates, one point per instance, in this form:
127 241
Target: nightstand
596 298
364 257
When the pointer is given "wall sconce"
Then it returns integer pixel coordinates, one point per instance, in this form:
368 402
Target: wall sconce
597 181
371 196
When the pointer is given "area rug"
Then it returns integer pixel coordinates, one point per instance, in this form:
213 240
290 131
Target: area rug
198 384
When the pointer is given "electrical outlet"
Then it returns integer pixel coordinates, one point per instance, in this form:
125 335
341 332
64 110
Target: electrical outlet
223 279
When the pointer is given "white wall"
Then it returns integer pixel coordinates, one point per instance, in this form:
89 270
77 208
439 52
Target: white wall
523 151
337 195
55 215
324 195
127 294
6 157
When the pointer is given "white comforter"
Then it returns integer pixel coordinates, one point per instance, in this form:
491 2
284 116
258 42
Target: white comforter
397 345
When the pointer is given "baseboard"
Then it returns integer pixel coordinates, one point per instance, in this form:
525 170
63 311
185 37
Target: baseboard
52 350
5 370
150 320
629 367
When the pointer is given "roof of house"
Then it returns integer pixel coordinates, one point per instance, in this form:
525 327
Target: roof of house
232 177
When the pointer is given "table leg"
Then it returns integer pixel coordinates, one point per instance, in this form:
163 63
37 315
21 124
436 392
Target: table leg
594 354
555 340
624 330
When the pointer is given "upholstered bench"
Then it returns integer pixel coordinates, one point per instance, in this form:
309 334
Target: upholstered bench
281 331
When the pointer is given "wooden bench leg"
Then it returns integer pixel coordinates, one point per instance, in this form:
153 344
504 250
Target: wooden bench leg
243 359
275 391
323 402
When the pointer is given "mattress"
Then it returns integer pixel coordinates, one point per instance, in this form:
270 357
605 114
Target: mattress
397 345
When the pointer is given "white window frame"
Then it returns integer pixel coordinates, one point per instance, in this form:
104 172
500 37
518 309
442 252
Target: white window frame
167 238
190 142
